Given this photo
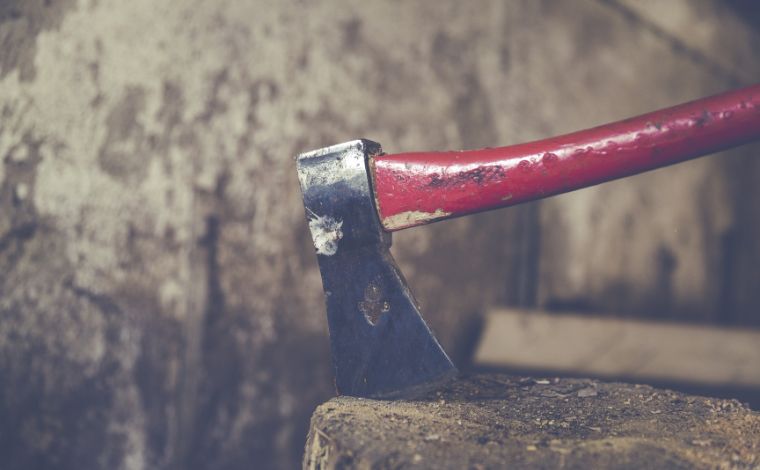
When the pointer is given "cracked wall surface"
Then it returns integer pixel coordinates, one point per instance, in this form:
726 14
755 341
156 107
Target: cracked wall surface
160 304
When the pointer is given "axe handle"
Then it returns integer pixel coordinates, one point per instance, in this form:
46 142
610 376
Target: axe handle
421 187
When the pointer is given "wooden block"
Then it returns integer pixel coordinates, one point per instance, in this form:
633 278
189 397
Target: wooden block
614 347
499 421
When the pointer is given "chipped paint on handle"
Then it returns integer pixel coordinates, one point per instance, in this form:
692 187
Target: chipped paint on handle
412 218
422 187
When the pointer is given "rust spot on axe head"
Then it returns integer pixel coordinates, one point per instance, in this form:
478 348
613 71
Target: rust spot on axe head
381 346
374 305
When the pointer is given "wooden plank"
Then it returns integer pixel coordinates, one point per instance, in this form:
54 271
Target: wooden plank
613 347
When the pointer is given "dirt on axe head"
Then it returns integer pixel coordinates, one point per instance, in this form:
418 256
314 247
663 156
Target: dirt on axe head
381 346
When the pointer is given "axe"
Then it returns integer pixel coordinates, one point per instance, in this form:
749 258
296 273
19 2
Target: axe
355 196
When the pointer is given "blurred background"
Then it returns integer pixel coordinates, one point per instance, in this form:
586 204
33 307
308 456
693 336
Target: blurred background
160 304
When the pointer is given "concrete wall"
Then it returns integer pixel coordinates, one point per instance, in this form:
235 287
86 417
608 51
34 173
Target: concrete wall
160 305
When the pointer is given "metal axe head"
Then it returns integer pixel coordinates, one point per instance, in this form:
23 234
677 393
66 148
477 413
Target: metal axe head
381 346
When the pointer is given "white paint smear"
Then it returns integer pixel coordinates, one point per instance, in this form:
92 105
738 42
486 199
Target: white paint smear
326 233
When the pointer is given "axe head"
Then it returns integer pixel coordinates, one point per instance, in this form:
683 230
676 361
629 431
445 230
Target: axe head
381 346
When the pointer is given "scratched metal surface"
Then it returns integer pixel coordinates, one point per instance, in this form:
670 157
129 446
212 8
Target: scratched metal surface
380 345
160 300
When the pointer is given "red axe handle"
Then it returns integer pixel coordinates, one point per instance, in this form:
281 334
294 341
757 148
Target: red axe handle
421 187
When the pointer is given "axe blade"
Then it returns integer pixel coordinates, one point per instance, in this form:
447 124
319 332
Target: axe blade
381 346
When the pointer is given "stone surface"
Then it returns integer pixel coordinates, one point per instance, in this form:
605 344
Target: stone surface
499 421
160 304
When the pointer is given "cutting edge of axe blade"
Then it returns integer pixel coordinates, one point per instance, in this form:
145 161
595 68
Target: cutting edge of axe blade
381 346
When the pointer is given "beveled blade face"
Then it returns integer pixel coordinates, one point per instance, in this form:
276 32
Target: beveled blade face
381 346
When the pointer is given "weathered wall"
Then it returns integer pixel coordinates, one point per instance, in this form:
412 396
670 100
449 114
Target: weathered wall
676 243
160 303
